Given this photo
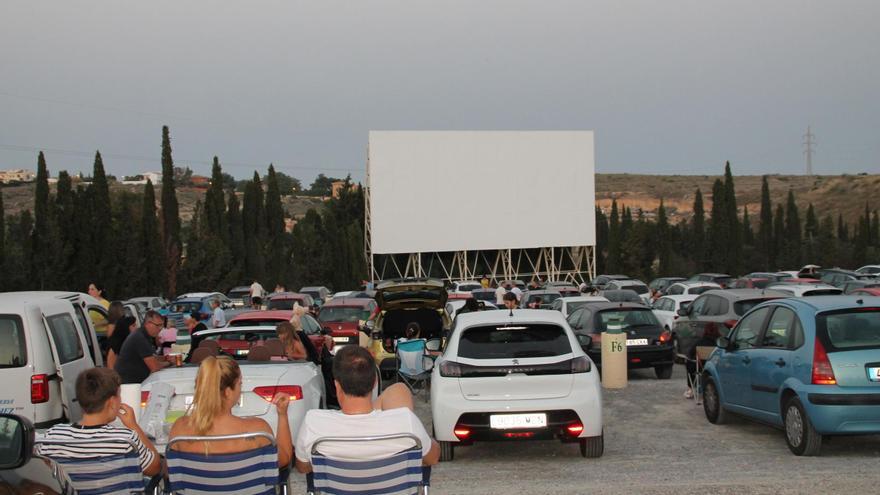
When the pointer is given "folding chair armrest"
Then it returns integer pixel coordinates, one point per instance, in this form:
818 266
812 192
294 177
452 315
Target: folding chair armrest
153 485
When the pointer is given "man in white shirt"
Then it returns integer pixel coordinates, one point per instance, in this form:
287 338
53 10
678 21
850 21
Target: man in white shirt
218 320
517 292
499 294
257 293
354 373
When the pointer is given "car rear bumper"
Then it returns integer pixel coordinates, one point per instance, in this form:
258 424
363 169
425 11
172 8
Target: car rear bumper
641 357
851 412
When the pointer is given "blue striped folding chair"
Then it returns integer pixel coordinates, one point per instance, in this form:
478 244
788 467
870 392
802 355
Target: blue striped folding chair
399 474
117 473
252 472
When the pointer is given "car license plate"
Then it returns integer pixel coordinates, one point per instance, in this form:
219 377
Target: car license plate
874 374
340 340
630 342
509 421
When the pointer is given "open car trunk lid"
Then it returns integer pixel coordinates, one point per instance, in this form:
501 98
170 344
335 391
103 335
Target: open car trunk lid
414 293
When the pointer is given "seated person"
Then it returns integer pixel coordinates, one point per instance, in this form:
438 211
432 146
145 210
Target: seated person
391 413
413 331
125 325
97 390
293 345
218 389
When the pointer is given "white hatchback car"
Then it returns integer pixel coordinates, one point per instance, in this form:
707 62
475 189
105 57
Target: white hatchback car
666 309
515 375
567 305
690 287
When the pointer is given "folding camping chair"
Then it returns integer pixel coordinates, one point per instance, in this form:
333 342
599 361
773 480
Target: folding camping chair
114 473
399 474
252 472
414 365
701 355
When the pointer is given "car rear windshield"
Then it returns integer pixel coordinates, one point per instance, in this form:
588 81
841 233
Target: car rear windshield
13 352
639 289
633 317
823 292
283 304
513 341
271 322
851 329
743 307
469 287
343 314
186 307
700 289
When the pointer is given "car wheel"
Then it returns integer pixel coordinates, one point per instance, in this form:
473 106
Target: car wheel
801 437
715 413
592 447
447 451
663 372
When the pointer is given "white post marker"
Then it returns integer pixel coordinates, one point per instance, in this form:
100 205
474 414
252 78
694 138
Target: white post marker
614 356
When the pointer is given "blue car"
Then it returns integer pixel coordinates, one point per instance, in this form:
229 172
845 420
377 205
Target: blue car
810 366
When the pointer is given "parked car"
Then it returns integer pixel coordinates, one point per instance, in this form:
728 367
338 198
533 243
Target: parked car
487 295
870 270
465 286
567 305
602 280
636 286
311 327
771 276
519 377
260 380
715 312
285 301
146 303
849 287
838 277
751 282
197 304
648 345
320 294
513 283
558 284
870 291
20 471
46 340
722 279
666 309
690 287
662 283
809 366
240 296
420 300
625 295
347 318
546 296
803 290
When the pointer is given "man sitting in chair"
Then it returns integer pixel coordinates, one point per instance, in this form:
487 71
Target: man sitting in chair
354 372
97 391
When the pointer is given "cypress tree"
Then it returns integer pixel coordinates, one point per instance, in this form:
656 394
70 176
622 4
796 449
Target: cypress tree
170 217
277 256
733 246
875 229
236 240
842 231
862 238
811 231
2 242
765 229
101 232
65 217
779 236
792 232
153 253
748 236
254 227
663 243
827 256
40 234
612 263
215 202
719 236
699 232
601 239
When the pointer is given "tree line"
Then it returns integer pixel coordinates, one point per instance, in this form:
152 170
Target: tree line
730 242
133 245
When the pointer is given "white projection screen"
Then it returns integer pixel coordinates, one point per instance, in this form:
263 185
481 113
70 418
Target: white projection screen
434 191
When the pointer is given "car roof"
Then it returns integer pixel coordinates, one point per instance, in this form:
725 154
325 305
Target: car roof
569 299
680 297
696 283
359 302
540 292
738 294
709 274
24 297
288 295
281 314
602 305
215 331
240 288
475 318
831 303
818 285
629 281
314 287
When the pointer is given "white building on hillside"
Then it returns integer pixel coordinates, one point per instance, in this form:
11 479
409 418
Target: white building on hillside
20 175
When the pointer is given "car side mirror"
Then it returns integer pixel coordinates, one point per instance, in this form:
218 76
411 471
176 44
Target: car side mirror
16 441
585 341
723 343
683 311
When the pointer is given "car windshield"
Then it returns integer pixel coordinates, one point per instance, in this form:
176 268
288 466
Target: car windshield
186 307
546 298
822 292
851 329
628 318
469 287
513 342
315 294
238 344
13 353
743 307
343 314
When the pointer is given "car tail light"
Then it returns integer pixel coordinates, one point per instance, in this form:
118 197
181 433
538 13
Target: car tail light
575 429
145 397
823 374
39 389
730 324
581 364
665 337
268 392
461 432
520 434
450 369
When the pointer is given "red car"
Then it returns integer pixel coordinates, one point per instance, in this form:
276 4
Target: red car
347 317
273 317
750 283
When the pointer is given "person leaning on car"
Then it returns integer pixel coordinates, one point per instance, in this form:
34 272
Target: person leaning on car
137 357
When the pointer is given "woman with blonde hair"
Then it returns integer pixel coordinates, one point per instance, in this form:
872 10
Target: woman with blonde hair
218 389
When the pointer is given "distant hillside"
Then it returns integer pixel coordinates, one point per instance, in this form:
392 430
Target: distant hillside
833 194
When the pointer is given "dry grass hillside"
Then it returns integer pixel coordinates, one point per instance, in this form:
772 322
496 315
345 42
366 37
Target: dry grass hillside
833 194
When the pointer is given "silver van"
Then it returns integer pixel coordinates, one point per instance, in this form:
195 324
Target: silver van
46 340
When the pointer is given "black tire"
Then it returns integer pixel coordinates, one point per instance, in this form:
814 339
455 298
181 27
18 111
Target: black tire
663 372
447 451
801 437
715 412
593 447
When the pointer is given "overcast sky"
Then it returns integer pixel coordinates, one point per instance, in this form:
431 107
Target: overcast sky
668 87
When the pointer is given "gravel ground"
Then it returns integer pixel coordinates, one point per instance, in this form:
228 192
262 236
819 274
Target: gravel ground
657 442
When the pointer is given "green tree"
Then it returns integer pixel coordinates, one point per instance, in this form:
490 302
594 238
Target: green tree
18 253
827 255
66 219
601 239
278 259
310 261
842 231
748 236
698 236
170 217
236 241
40 235
811 232
792 232
101 233
2 242
287 185
875 229
153 252
719 236
612 263
779 238
215 202
322 186
733 246
765 228
254 228
663 242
